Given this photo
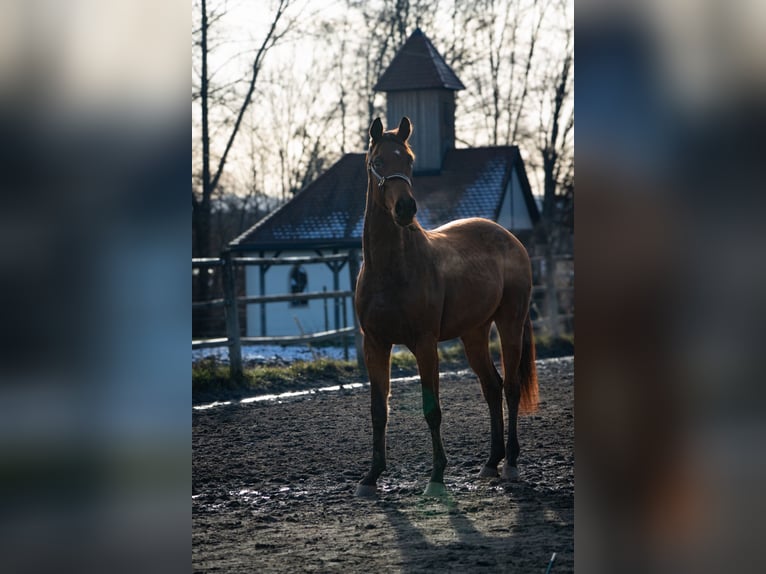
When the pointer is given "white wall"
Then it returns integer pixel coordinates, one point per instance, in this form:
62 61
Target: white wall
514 213
280 317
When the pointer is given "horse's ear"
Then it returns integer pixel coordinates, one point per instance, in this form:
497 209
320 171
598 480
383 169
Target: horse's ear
376 130
405 129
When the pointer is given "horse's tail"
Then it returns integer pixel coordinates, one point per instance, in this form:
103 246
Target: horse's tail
528 371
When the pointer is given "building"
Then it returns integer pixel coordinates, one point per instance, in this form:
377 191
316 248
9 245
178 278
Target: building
326 217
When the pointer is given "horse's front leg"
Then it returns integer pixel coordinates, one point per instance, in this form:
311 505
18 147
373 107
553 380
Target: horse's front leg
378 360
428 366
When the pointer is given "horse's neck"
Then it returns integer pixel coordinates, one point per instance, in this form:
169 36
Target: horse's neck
388 248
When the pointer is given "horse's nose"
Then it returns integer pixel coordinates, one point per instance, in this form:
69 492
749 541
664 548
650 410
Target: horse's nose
406 208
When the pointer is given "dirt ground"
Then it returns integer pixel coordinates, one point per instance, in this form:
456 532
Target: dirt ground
273 485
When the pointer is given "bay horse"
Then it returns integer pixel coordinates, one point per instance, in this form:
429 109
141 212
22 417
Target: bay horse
419 287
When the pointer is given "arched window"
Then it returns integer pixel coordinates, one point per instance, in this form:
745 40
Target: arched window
299 281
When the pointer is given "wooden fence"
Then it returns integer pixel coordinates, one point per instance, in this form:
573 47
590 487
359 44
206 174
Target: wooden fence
230 303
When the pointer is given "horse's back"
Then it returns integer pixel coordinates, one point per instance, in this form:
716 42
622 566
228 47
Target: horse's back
482 240
481 264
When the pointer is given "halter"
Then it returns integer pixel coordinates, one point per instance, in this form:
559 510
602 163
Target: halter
382 179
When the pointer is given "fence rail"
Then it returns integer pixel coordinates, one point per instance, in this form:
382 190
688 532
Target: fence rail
296 297
287 260
207 262
289 340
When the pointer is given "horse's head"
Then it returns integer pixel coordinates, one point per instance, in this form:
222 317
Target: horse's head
389 163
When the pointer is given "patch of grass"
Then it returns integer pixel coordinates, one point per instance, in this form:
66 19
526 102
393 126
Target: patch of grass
450 353
210 373
210 377
547 346
403 359
299 373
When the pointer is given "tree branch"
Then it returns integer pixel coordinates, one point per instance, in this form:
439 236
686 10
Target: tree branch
271 37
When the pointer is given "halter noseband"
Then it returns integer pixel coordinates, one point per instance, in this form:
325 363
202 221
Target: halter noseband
382 179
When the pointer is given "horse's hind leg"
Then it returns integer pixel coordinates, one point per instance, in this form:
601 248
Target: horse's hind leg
511 327
476 345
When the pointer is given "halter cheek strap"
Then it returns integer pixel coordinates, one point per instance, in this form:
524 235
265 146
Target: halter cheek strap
382 179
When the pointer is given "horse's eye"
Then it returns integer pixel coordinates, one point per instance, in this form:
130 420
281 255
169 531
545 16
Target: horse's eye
377 162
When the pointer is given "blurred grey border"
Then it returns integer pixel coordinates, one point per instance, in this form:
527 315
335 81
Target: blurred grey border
671 276
95 450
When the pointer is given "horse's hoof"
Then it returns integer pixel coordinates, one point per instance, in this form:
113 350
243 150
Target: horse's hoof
488 472
435 490
366 491
510 473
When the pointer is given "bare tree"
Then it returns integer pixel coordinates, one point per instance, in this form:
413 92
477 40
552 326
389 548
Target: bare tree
500 48
212 170
299 120
207 96
555 129
518 99
380 42
555 146
222 108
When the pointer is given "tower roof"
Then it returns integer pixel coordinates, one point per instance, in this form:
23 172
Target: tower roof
416 66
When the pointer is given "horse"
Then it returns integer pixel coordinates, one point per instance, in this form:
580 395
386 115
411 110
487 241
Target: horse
417 287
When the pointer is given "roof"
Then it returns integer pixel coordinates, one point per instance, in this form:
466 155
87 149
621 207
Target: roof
416 66
329 212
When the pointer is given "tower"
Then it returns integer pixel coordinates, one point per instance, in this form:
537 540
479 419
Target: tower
419 84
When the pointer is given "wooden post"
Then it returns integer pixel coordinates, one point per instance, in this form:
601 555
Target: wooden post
353 271
262 285
345 324
336 287
324 301
232 317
